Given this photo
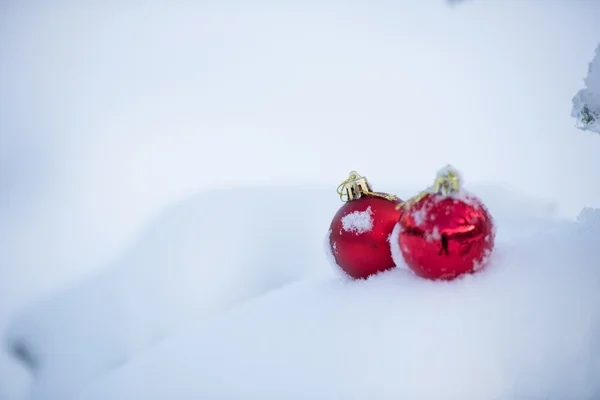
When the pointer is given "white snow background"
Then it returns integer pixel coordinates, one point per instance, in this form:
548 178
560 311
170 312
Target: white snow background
111 112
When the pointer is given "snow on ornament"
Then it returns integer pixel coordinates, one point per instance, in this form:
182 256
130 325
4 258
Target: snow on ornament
444 232
360 230
358 221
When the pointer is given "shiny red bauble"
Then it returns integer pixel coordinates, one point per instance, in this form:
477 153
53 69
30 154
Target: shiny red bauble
359 235
443 237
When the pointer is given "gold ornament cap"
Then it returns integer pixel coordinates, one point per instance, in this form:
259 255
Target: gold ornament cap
447 181
354 187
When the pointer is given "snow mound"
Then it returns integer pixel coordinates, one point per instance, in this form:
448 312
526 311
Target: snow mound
589 218
197 260
525 327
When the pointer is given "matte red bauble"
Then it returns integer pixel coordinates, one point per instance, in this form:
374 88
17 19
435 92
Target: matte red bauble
445 232
360 231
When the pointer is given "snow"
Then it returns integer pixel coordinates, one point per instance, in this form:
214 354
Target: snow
182 271
586 103
422 214
526 326
396 253
358 222
110 113
197 258
589 217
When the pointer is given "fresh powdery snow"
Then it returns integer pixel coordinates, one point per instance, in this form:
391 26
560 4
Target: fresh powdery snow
230 299
358 221
526 327
199 257
396 251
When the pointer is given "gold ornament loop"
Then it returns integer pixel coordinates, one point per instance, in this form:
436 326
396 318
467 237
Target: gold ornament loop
389 197
355 186
412 201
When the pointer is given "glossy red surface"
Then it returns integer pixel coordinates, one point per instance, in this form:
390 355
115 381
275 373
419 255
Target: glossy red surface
361 254
443 238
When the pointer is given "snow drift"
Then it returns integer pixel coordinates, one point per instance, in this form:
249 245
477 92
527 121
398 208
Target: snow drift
198 259
526 327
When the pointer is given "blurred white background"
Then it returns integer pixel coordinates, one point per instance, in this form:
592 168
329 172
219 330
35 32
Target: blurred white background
109 112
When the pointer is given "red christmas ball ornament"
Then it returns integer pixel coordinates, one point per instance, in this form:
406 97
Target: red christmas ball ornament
444 232
360 231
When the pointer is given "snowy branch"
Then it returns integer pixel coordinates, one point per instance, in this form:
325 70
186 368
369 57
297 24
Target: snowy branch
586 103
